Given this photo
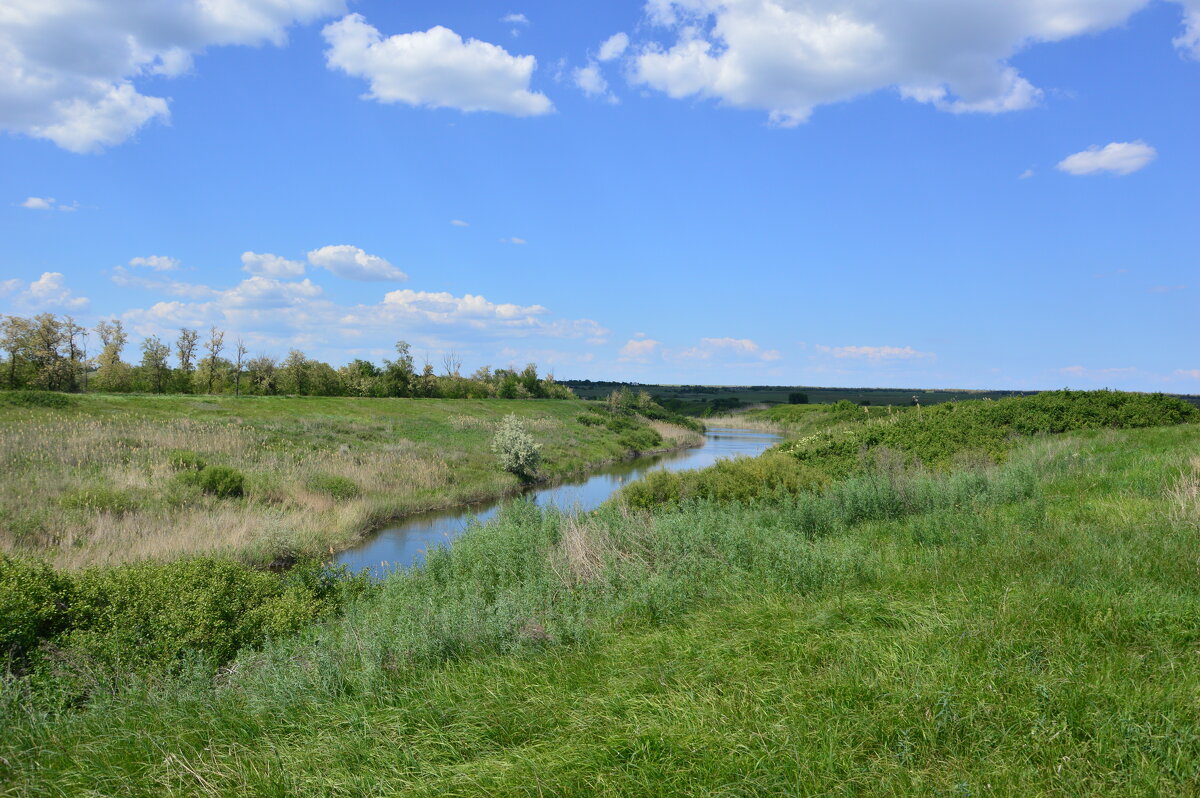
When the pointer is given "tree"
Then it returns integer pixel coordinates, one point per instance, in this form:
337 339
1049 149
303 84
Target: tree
214 345
185 350
515 449
295 372
14 339
237 366
112 374
52 370
263 374
155 354
398 374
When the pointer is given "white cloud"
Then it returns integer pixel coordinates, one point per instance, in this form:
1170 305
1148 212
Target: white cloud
589 80
9 286
159 263
873 354
67 66
789 56
1189 40
459 223
1189 373
726 351
352 263
47 292
513 240
1081 371
435 68
1119 158
268 265
123 277
515 19
613 47
1028 173
39 203
638 350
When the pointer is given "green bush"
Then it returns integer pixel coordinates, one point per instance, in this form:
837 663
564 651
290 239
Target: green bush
936 435
222 481
186 460
641 439
516 450
36 399
589 419
743 480
340 488
98 500
32 599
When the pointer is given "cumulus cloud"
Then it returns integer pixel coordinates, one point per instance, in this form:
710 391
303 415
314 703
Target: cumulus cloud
589 80
268 265
515 19
352 263
9 286
613 47
39 203
638 350
48 292
127 279
873 354
435 68
159 263
789 56
1118 158
67 67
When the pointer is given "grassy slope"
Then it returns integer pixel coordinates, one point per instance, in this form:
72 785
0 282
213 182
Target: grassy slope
1029 641
403 455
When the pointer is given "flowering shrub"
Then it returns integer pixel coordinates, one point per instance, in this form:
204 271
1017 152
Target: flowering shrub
516 450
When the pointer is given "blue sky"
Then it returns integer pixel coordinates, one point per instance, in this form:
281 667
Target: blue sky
918 194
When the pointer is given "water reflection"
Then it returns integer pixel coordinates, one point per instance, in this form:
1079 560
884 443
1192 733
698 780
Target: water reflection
403 545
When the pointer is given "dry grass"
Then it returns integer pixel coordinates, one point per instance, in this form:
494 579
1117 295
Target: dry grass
741 421
676 437
1184 495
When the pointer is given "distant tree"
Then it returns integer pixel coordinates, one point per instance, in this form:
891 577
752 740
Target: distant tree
295 370
14 339
214 346
797 398
185 350
263 373
154 362
240 354
360 378
112 374
399 374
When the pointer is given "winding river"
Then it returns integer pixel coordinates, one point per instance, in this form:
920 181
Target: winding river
404 544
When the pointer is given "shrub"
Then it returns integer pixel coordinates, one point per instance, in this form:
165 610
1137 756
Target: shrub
340 488
36 399
589 419
516 450
222 482
98 500
32 599
743 480
186 460
641 439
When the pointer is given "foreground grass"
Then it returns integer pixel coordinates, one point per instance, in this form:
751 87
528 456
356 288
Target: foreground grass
1027 630
92 482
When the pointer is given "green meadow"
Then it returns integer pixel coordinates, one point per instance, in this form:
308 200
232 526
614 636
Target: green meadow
1020 616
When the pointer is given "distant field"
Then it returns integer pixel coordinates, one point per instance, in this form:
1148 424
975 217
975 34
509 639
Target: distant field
712 399
108 478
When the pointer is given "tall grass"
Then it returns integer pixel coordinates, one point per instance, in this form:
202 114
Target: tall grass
1022 630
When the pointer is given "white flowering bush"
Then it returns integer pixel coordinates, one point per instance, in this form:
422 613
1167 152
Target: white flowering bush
516 450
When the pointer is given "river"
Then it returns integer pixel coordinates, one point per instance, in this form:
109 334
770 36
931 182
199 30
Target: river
403 545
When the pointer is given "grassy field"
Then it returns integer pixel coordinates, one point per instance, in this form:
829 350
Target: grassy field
1022 629
99 479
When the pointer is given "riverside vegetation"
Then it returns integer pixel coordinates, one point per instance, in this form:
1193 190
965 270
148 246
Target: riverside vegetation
96 479
994 599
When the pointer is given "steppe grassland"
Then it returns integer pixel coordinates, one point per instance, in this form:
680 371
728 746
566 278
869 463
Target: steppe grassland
95 483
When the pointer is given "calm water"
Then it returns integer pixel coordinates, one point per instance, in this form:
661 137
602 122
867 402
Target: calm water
404 544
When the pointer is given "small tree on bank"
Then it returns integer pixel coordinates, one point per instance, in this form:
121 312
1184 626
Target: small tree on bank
516 450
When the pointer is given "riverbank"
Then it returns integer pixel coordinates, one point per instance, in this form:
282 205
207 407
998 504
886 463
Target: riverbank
108 479
1024 625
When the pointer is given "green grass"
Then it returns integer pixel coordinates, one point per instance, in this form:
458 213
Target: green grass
108 478
1029 629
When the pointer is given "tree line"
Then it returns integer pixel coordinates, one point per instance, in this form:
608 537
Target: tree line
50 352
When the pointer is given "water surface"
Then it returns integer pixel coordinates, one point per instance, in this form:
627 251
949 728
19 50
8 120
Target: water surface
404 544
